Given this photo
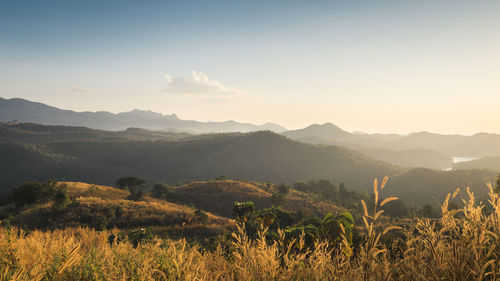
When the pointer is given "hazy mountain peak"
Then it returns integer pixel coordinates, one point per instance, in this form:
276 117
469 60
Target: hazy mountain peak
28 111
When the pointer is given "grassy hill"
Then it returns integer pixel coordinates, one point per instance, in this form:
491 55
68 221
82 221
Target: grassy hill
217 196
101 207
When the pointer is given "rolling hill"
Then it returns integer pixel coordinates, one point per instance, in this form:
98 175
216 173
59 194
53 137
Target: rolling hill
103 206
217 196
80 154
261 156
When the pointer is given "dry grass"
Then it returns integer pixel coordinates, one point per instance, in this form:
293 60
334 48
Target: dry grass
77 189
218 196
462 245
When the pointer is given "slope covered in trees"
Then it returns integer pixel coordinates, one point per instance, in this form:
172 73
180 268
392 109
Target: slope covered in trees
33 152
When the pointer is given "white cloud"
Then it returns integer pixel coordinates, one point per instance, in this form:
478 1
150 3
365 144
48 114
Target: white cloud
81 89
199 84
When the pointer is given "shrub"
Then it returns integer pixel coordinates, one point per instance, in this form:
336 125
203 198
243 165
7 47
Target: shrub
137 195
33 192
129 182
161 191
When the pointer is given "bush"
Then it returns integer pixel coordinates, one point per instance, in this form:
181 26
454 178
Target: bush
283 188
137 195
201 216
33 192
61 198
241 210
129 182
161 191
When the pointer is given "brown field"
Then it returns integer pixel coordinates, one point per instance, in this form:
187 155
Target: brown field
463 245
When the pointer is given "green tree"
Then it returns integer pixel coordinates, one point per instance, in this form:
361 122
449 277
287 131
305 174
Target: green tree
137 195
428 211
221 177
61 198
129 182
396 209
162 190
283 188
33 192
241 210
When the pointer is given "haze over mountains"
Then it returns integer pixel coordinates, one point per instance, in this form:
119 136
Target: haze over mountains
28 111
40 152
76 153
422 149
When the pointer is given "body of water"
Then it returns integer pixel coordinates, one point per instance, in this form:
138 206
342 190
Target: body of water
456 159
463 159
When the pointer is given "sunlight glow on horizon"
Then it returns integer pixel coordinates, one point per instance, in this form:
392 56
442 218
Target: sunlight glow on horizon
385 67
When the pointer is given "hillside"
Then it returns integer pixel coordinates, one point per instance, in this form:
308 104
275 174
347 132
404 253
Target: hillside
217 196
36 133
478 145
260 156
35 112
492 163
107 207
377 146
420 186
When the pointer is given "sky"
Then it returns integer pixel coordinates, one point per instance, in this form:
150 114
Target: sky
372 66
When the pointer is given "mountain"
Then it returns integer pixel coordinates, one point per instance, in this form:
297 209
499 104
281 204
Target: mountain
34 112
102 157
378 146
262 156
492 163
325 132
36 133
421 149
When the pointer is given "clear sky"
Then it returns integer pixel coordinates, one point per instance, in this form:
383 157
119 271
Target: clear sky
373 66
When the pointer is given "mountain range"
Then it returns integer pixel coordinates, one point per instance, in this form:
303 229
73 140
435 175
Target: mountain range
428 147
22 110
421 149
39 152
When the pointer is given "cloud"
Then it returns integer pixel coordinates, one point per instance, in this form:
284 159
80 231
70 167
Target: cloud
81 89
199 84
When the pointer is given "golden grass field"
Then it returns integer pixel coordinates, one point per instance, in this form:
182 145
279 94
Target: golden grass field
463 244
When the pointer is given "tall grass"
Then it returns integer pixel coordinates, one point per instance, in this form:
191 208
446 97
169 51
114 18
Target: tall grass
462 245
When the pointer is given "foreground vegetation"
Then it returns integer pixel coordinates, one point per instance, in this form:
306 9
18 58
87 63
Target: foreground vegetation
463 244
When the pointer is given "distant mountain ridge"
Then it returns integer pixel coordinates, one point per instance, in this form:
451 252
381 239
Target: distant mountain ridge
478 145
27 111
36 152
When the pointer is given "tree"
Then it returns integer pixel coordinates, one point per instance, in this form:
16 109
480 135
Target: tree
221 178
428 211
396 209
283 188
136 195
61 198
162 190
241 210
33 192
129 182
